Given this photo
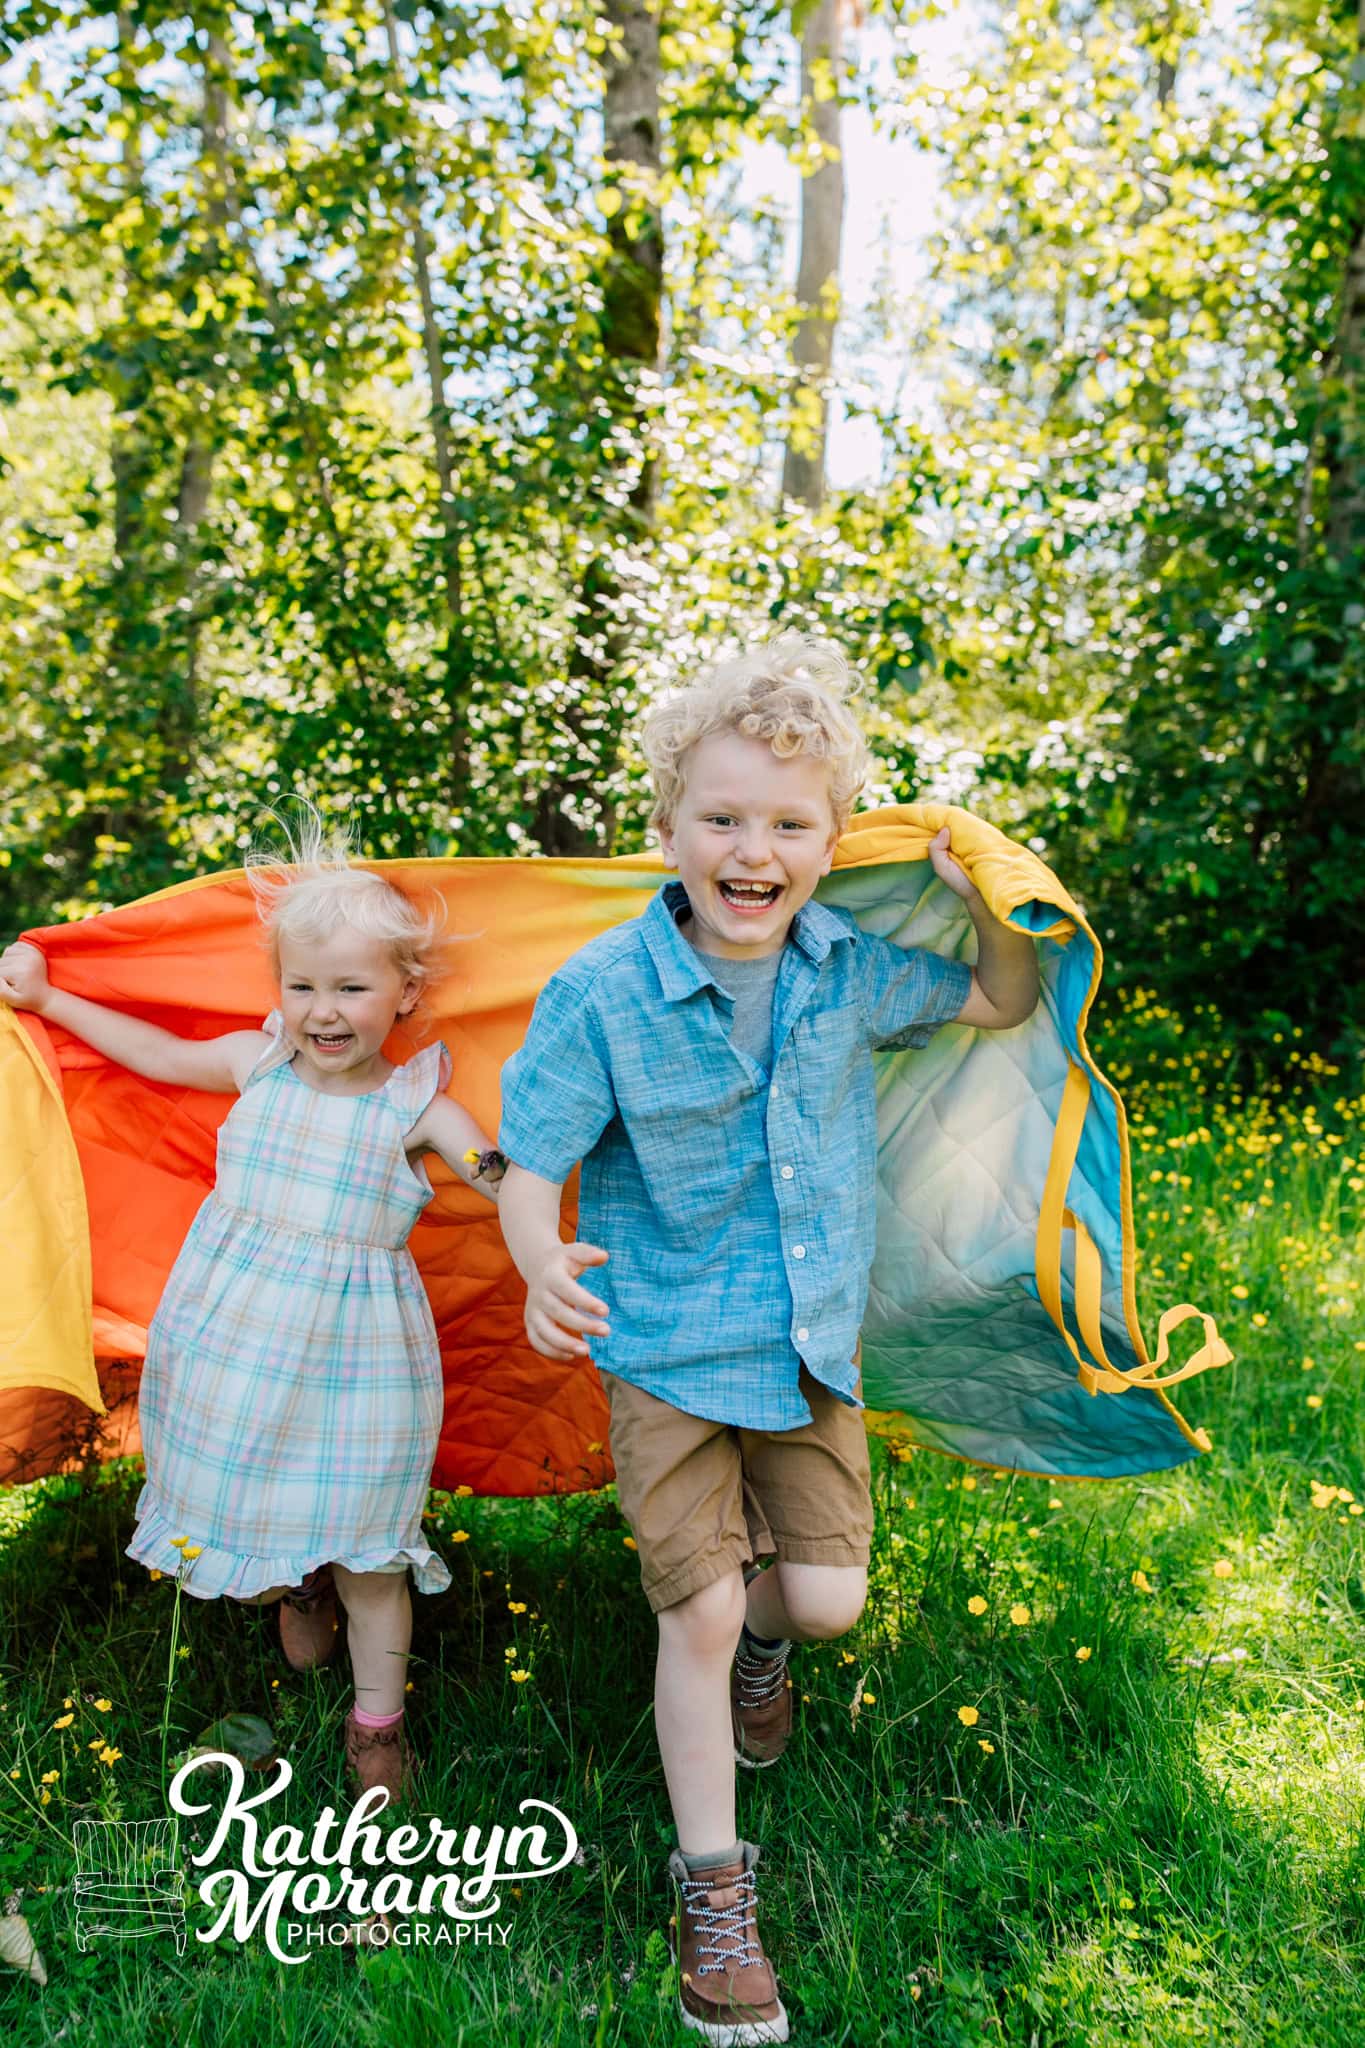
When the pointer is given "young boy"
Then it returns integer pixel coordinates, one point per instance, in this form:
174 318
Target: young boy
710 1063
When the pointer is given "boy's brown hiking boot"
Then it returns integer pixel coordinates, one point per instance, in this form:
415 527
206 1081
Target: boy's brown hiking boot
726 1986
760 1705
309 1621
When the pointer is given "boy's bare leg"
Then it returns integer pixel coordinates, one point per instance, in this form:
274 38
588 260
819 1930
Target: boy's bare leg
697 1641
805 1603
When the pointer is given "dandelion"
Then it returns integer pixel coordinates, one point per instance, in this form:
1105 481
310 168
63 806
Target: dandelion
1222 1570
1142 1583
986 1748
630 1543
63 1720
1020 1615
519 1677
1084 1654
968 1716
976 1605
869 1699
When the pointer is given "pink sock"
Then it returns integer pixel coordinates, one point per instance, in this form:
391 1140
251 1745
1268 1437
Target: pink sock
366 1720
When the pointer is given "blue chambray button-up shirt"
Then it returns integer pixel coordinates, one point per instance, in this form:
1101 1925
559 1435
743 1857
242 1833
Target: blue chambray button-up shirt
738 1206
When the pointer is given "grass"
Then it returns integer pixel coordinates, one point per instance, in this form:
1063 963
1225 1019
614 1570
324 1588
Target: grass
1129 1814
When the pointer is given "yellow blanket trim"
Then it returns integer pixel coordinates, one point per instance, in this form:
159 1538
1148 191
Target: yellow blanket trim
42 1199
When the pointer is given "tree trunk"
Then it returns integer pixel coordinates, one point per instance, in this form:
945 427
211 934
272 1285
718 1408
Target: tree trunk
817 280
632 293
458 665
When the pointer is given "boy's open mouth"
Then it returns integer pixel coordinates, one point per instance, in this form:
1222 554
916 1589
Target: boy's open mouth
750 895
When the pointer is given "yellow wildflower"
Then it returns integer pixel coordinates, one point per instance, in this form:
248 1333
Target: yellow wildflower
179 1542
155 1574
869 1699
1020 1615
63 1720
106 1706
968 1716
519 1677
45 1799
459 1535
110 1756
969 1484
630 1543
16 1774
463 1493
1142 1582
192 1550
1315 1400
1240 1293
986 1748
50 1777
516 1607
1084 1654
976 1605
1222 1570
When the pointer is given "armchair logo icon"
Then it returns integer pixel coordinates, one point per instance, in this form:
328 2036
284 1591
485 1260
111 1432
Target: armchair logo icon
127 1882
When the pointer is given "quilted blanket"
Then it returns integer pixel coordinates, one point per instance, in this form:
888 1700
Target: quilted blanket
1002 1323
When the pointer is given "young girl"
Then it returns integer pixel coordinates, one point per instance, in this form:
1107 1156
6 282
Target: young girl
291 1398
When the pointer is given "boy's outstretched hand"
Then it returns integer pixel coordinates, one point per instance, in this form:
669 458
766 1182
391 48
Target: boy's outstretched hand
557 1308
947 869
559 1313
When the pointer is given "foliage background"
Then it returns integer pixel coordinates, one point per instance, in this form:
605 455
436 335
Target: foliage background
396 396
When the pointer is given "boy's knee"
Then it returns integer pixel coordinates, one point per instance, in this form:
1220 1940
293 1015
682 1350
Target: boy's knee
823 1601
709 1620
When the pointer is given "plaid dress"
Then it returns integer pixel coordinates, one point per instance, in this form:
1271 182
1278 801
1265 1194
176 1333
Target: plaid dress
291 1398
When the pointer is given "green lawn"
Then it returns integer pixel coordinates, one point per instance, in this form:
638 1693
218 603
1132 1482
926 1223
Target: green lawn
1120 1802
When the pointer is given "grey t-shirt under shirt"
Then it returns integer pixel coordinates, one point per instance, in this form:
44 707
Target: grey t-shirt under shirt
752 983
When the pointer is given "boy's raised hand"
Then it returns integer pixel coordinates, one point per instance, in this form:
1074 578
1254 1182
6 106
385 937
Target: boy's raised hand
557 1308
947 869
23 977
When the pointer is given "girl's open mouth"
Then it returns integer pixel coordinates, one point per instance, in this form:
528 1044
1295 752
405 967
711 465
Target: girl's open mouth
332 1043
750 895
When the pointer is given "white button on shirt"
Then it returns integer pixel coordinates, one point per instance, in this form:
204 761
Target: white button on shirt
801 1336
787 1172
798 1251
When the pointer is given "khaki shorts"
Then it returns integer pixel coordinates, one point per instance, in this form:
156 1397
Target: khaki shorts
706 1498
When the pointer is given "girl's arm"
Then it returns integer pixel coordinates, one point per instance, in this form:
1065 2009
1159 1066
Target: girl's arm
218 1065
446 1128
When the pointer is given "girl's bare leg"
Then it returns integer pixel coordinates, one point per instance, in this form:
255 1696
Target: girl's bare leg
379 1611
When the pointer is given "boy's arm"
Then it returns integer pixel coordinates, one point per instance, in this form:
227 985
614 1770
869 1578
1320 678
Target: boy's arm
557 1100
218 1065
558 1310
1005 984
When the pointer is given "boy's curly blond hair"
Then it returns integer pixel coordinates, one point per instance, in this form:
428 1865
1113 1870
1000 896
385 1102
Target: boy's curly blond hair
794 691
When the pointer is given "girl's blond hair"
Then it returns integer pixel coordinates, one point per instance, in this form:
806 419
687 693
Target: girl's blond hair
794 691
310 890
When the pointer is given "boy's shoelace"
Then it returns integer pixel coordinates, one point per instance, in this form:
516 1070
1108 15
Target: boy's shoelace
731 1931
760 1679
